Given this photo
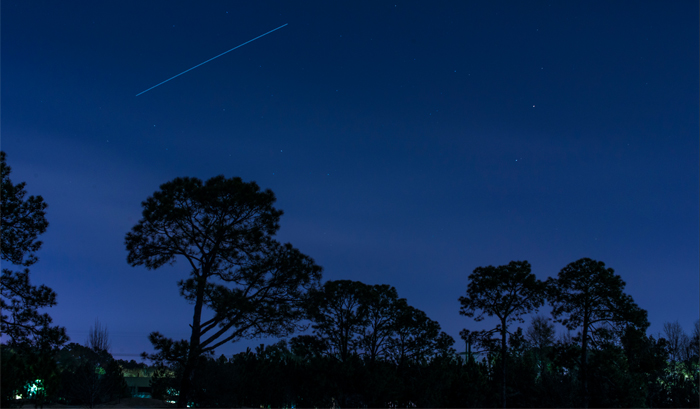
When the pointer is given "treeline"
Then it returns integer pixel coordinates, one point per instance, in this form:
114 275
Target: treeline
368 347
632 371
72 375
393 356
635 373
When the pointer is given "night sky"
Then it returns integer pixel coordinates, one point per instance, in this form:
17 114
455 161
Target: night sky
407 142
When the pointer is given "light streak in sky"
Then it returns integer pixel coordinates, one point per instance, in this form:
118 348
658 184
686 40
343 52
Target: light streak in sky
241 45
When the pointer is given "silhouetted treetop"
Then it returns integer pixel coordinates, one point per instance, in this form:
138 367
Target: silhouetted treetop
507 292
22 223
224 229
22 220
588 296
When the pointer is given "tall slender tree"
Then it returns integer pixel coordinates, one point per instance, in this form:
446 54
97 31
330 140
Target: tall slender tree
588 296
224 230
507 292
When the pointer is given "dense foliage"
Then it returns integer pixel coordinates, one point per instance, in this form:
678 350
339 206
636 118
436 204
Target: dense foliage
23 220
29 338
632 370
588 296
338 365
507 292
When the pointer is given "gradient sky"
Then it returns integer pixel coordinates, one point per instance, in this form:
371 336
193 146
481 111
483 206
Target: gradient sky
407 142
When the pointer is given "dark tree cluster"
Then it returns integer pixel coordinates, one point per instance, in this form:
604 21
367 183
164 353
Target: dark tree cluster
89 376
274 376
72 375
629 369
609 362
367 347
353 318
23 220
29 338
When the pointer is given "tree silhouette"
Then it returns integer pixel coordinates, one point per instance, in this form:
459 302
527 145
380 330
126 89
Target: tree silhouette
540 336
353 318
541 332
417 338
507 292
98 338
90 376
382 308
588 296
224 229
22 222
677 340
308 346
338 311
694 343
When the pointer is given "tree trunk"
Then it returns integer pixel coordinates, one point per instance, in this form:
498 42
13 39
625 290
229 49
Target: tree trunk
584 362
503 362
193 353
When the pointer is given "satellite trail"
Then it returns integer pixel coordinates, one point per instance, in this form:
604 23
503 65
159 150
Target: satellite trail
249 41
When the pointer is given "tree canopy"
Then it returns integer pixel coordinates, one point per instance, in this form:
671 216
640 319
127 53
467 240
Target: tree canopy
339 314
23 220
224 230
353 318
588 296
507 292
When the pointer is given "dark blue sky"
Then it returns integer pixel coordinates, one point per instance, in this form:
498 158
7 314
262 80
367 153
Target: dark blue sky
407 142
